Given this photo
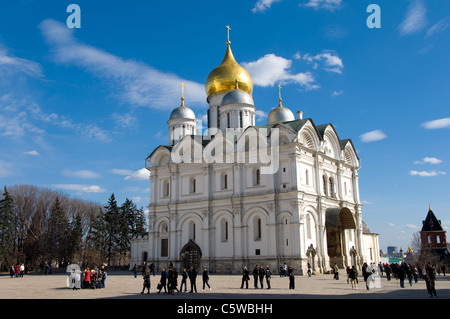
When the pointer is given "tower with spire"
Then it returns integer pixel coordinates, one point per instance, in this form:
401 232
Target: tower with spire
433 236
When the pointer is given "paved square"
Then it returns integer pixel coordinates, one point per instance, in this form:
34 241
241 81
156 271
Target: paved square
123 285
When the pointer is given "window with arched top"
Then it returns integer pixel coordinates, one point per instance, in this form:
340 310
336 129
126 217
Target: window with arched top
257 230
325 184
331 186
192 185
224 230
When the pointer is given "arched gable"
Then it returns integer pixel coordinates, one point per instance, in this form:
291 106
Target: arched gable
308 136
331 142
188 150
159 157
350 156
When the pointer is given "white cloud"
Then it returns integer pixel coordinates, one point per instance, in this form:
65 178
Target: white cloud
260 115
426 173
332 62
271 69
263 5
372 136
415 19
120 171
81 188
337 93
15 64
84 174
33 153
437 28
136 83
437 124
429 160
139 175
323 4
411 226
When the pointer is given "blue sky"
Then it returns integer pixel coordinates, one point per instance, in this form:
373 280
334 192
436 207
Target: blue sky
80 109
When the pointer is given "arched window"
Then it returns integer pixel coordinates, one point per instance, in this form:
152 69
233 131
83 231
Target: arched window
228 120
331 185
257 177
166 188
308 226
257 228
192 185
224 181
241 120
325 186
307 177
224 230
192 230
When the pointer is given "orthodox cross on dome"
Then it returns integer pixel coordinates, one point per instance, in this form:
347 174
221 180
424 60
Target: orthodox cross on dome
279 95
228 34
182 93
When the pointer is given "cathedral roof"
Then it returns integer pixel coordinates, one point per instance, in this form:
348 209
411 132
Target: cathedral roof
431 223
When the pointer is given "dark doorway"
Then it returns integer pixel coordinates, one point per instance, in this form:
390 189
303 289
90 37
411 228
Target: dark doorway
191 255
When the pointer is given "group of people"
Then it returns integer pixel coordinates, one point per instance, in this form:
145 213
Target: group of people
169 280
93 278
17 271
259 273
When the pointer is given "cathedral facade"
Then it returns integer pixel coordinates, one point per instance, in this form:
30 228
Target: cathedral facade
245 194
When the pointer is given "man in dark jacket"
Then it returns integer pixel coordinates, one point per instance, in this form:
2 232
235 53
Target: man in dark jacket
192 278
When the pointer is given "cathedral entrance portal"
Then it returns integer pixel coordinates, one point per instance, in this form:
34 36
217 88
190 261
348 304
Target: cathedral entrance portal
190 255
337 220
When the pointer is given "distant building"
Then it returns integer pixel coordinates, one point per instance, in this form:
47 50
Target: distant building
433 240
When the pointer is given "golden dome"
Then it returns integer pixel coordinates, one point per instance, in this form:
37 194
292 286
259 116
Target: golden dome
223 78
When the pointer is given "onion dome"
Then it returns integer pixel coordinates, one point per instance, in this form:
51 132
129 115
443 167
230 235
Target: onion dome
182 112
237 96
223 77
280 114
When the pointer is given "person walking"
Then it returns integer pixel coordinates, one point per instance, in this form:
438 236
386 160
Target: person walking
353 275
268 276
184 277
388 271
366 273
152 268
261 274
336 271
290 273
146 284
163 281
429 275
255 276
135 270
245 278
309 270
193 279
205 278
87 278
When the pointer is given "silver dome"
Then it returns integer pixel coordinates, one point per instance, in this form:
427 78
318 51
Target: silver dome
182 112
280 114
237 97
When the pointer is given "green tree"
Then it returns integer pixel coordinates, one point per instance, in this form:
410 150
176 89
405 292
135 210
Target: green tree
7 226
57 231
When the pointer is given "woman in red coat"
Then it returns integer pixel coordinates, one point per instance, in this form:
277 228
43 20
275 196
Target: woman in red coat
87 278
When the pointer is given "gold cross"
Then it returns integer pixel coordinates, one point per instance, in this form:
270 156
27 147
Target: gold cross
279 91
182 89
228 33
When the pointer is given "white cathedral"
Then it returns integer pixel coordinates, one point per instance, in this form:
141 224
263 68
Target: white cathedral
246 194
